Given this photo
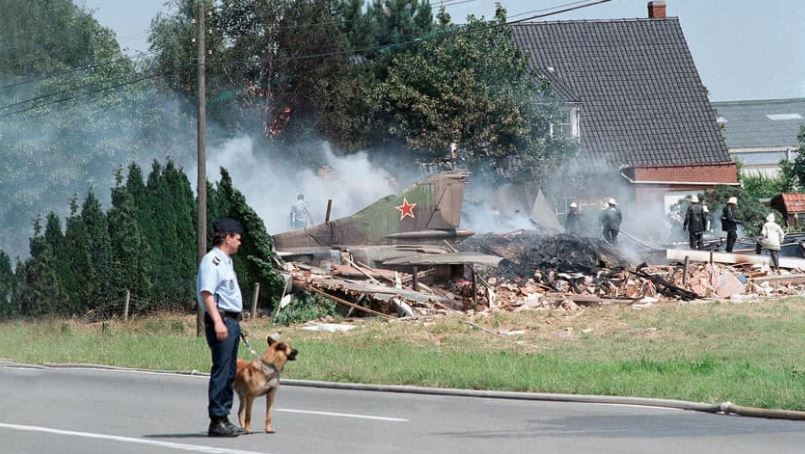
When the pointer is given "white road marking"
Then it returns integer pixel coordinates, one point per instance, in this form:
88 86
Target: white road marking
142 441
343 415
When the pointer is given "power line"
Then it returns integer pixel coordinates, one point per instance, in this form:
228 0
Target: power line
548 9
134 81
459 29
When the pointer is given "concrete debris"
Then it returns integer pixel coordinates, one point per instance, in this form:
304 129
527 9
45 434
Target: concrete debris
556 272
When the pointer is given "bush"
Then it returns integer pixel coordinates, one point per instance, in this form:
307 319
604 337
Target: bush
303 307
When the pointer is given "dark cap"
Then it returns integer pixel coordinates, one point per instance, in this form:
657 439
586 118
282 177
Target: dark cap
227 225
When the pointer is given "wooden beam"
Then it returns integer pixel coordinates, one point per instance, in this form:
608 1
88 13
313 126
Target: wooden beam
728 258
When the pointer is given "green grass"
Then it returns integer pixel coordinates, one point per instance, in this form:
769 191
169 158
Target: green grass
750 354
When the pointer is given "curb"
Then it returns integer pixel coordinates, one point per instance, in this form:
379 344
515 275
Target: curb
725 408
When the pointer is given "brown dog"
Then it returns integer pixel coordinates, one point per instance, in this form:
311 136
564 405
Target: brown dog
261 377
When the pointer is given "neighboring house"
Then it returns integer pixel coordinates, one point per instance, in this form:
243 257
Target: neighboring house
761 133
634 100
792 206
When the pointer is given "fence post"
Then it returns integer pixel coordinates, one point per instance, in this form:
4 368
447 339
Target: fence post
126 306
255 296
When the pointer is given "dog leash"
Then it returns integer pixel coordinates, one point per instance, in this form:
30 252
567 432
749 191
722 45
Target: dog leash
246 342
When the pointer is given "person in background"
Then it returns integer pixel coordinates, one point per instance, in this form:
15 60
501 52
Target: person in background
300 217
573 221
695 222
708 218
772 239
729 223
610 221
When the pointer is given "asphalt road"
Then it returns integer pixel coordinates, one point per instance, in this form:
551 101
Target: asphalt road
85 411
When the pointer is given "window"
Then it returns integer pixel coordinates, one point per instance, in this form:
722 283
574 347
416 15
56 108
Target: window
569 124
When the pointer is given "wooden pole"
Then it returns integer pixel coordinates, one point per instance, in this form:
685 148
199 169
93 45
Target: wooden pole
685 272
329 209
414 278
711 257
347 303
474 286
126 306
255 296
202 153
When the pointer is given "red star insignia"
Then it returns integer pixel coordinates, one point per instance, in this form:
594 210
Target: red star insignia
406 209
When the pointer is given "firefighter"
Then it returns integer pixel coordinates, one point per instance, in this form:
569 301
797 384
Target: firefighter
573 220
729 223
610 221
695 223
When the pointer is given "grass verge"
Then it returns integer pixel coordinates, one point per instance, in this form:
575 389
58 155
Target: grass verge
750 354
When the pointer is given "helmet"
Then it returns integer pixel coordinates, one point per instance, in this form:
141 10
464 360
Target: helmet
573 205
733 200
705 209
770 217
694 199
612 201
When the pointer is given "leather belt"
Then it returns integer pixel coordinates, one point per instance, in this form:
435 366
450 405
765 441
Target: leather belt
237 316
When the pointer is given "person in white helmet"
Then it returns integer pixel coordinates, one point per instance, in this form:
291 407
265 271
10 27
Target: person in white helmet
771 238
610 221
729 223
695 222
572 220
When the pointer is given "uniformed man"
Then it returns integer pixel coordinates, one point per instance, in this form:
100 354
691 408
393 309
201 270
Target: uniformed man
695 223
218 295
729 223
572 220
300 217
610 221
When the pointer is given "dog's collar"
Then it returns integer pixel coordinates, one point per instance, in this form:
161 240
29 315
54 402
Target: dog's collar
269 369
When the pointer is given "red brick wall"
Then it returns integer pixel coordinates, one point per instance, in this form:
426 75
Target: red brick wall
710 173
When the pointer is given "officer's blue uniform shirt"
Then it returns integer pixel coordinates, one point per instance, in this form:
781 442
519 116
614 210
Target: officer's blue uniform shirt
216 274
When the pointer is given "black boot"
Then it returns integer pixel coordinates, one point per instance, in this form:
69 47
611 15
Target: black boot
221 427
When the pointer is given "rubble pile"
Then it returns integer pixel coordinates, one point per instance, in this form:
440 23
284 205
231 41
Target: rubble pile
541 272
527 252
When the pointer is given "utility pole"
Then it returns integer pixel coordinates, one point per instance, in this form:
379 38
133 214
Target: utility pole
202 154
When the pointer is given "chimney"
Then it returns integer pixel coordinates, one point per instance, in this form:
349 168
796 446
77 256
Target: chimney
656 9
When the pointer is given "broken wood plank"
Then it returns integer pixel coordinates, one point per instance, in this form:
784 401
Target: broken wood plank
347 303
787 279
726 257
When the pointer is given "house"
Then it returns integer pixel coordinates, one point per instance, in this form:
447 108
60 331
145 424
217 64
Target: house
634 101
761 133
792 206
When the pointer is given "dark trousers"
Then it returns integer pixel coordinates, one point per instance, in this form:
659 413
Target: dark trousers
775 255
224 367
611 235
696 240
732 237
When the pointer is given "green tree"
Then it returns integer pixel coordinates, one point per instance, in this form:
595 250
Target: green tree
7 308
79 278
39 291
100 247
255 260
131 248
799 163
471 86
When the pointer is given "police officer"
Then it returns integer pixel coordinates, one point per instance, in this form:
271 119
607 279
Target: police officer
219 297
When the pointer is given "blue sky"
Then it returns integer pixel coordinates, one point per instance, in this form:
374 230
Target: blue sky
743 49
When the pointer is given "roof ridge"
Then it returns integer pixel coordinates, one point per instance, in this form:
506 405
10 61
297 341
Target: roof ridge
757 101
572 21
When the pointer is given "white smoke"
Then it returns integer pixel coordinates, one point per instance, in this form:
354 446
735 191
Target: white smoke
270 184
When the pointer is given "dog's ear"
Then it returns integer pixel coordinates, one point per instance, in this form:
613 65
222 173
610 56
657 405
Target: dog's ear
270 340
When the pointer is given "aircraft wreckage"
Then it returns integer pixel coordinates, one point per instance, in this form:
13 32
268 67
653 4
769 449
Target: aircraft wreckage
406 255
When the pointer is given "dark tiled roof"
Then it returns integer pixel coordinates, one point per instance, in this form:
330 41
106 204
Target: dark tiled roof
642 102
762 123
